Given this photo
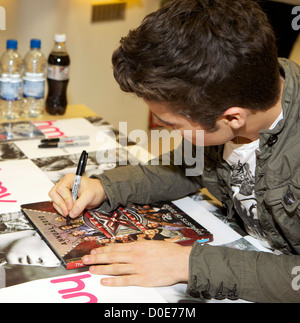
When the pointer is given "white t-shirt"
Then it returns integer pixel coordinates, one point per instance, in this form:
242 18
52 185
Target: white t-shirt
242 160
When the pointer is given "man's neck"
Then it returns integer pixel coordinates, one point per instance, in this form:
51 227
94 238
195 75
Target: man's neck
259 120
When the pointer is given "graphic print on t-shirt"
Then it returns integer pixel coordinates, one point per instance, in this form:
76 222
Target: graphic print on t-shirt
242 160
243 183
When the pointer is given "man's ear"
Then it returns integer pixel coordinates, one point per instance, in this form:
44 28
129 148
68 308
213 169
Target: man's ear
235 117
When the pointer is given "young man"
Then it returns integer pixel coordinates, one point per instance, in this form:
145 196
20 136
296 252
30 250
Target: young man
209 65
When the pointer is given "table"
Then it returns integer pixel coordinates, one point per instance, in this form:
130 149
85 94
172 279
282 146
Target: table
72 111
28 269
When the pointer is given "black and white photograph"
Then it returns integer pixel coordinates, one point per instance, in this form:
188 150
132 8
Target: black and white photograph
97 162
23 254
9 151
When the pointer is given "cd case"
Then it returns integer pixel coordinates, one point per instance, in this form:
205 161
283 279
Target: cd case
20 130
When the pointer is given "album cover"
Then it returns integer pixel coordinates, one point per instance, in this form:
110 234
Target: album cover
96 228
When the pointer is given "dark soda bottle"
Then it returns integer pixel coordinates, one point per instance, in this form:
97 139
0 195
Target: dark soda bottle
58 77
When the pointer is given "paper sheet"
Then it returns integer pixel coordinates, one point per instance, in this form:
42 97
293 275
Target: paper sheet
78 288
222 233
21 181
99 139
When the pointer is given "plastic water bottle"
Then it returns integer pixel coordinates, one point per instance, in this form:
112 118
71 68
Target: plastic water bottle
11 81
33 104
58 77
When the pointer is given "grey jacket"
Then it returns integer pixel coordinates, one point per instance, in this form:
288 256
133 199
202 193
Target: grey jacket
253 276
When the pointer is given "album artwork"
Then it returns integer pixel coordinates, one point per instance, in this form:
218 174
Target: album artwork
160 221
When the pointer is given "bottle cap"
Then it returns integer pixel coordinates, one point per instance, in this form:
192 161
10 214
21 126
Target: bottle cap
11 44
60 38
35 43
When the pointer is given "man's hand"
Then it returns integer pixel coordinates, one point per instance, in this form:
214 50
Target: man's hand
145 263
90 195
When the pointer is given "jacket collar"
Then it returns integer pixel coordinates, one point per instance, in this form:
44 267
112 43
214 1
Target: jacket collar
289 96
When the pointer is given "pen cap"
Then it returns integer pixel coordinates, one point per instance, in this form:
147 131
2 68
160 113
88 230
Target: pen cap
82 163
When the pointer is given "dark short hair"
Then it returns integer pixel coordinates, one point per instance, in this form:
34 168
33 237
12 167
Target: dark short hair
201 57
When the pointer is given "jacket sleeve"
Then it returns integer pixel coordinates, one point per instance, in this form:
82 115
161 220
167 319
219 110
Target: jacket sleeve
253 276
146 184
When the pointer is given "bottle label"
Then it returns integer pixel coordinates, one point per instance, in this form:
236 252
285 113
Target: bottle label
58 73
34 88
10 90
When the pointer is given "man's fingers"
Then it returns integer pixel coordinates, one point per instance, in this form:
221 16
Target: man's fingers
107 258
61 195
90 195
126 280
123 247
136 263
58 209
59 203
76 209
112 264
112 270
79 205
66 195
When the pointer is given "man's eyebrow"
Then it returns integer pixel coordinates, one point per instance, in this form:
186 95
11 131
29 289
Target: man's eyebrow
163 121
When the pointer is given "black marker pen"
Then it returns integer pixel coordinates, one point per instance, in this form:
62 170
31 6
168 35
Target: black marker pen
65 139
63 144
79 173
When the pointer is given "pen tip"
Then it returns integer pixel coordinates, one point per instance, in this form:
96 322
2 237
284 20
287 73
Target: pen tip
68 219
